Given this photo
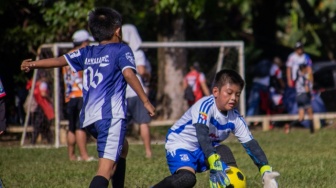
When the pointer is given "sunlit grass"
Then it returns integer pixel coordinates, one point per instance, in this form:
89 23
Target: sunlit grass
303 160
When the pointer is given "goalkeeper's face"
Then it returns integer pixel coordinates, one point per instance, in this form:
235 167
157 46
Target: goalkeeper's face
227 97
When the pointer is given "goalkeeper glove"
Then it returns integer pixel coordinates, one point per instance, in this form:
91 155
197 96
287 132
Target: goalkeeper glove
268 177
218 177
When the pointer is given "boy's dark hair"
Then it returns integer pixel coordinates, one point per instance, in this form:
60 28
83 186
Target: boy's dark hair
302 66
226 76
103 23
76 44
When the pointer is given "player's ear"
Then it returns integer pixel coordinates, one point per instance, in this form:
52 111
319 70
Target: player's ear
215 91
118 33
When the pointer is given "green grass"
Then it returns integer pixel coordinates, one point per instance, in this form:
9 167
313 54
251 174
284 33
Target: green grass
303 160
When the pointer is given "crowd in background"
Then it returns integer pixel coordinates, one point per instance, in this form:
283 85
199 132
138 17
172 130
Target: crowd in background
272 91
285 88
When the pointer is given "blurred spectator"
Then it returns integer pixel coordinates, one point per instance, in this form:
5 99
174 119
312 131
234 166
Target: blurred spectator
2 109
259 99
267 88
20 97
277 86
303 86
293 62
73 84
194 85
44 111
136 111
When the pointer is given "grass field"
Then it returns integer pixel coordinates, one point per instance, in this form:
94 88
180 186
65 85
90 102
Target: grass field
304 161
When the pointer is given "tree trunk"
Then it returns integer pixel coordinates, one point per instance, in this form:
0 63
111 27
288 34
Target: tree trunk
172 64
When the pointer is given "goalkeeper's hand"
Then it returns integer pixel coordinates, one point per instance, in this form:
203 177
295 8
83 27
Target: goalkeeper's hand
218 177
268 177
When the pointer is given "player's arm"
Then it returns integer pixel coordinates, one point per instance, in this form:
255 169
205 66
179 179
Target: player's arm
256 153
218 168
202 133
254 150
141 70
28 64
289 76
251 146
311 74
259 158
134 82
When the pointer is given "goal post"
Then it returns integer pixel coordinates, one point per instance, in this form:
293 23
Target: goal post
57 48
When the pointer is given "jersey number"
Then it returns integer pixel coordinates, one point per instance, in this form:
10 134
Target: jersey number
92 82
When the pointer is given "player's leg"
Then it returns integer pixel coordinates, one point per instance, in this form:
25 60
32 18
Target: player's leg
105 167
110 136
81 143
118 179
310 116
300 100
182 164
71 136
141 116
71 140
183 178
226 155
37 124
301 114
145 136
80 133
47 131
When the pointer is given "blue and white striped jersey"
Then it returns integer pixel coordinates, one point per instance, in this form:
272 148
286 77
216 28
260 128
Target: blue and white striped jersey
103 83
182 135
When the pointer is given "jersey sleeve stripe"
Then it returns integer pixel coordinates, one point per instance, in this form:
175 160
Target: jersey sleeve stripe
126 67
67 60
204 109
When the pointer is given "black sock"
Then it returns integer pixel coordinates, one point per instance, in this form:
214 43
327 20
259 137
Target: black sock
118 179
311 126
99 182
182 178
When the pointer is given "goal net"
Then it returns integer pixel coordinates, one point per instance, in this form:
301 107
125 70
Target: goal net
211 55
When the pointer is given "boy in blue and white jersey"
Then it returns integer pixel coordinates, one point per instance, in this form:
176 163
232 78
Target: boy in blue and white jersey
193 142
107 69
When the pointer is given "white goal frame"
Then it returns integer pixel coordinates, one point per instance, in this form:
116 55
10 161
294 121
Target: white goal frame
55 47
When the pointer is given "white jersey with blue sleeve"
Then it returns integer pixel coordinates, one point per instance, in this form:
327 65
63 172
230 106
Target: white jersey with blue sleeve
182 135
103 83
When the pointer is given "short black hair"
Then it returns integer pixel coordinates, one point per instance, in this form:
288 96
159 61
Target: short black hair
76 44
103 23
298 45
303 66
226 76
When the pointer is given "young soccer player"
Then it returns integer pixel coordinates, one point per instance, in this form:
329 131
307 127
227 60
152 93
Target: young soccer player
193 142
107 68
304 88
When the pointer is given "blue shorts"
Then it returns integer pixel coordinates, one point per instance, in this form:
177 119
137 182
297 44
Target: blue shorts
194 159
110 135
136 111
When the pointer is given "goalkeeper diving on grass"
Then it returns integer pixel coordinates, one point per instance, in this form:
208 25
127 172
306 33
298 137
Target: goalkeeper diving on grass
193 143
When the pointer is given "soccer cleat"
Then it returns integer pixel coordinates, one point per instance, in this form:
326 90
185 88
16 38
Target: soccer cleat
90 159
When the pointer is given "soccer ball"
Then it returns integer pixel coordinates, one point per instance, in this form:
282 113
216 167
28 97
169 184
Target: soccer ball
237 178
